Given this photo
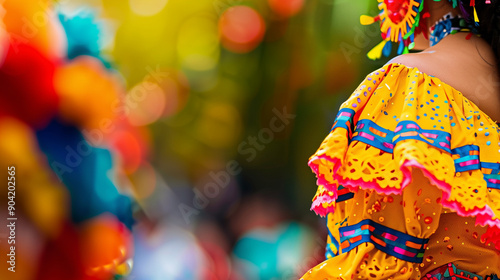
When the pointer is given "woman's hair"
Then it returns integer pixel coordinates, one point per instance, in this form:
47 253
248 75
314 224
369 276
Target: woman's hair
489 23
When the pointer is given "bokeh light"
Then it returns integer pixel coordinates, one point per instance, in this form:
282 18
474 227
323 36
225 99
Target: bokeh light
242 29
148 107
198 44
130 148
147 7
151 137
176 89
286 8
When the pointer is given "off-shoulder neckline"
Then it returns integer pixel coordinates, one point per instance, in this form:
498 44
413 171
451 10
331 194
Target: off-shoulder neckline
439 81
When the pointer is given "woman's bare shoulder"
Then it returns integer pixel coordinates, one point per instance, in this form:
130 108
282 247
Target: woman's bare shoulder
425 62
477 82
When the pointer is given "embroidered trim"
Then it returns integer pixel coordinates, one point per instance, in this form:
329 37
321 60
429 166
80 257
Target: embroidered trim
372 134
343 194
345 119
387 240
466 158
491 173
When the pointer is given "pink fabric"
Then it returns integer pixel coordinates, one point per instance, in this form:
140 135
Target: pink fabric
483 215
403 252
389 236
430 135
367 136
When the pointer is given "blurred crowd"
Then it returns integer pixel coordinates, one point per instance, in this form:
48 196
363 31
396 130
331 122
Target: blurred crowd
168 139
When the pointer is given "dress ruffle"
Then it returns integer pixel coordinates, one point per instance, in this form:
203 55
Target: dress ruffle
400 119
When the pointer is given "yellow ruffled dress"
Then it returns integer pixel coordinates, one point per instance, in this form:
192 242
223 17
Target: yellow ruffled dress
409 180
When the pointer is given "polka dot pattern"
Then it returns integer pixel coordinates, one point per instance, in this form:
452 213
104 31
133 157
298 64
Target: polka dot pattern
401 127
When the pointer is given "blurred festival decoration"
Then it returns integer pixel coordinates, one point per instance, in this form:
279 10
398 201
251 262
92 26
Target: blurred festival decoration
56 96
138 128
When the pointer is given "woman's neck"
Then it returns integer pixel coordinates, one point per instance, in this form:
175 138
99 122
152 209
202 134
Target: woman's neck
437 11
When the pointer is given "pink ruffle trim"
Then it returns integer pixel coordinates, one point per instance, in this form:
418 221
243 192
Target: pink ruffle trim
317 205
321 177
484 216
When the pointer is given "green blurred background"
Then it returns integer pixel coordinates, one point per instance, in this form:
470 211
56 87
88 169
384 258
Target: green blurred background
220 104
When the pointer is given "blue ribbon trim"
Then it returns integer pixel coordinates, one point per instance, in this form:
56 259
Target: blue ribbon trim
378 232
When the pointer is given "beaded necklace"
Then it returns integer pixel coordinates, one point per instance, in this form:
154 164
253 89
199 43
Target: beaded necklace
449 25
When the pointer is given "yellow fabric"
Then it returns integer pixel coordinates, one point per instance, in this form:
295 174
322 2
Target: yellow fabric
413 187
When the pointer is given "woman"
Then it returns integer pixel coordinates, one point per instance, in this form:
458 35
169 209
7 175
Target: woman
408 178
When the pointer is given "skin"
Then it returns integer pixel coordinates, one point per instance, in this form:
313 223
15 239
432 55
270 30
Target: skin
467 65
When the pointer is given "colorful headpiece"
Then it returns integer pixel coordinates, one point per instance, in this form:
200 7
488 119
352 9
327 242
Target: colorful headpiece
400 21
